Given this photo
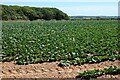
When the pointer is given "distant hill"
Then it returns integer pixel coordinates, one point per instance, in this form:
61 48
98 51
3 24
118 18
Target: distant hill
94 17
31 13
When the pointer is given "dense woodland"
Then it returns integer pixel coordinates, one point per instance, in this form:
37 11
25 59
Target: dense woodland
31 13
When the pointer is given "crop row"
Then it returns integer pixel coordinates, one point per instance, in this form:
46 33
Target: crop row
91 59
96 73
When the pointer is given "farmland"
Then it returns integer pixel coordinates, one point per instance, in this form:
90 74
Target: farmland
71 42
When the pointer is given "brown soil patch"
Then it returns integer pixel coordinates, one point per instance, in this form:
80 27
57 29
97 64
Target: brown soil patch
51 70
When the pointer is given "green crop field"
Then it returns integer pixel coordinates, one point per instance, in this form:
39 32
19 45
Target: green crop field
70 42
96 73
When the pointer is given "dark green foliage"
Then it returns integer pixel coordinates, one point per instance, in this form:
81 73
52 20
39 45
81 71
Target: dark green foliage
31 13
96 73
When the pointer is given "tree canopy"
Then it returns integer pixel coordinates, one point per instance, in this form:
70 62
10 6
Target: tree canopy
31 13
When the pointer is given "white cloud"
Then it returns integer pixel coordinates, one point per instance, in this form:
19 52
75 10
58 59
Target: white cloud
59 0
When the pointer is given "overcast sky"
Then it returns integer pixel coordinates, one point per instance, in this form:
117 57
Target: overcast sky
73 7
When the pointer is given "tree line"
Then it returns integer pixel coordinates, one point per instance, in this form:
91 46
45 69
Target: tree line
31 13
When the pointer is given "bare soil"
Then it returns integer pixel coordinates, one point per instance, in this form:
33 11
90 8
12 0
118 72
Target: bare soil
51 70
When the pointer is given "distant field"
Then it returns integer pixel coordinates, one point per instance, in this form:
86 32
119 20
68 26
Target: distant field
72 42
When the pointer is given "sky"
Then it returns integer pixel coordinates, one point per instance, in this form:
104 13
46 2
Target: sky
73 7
